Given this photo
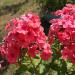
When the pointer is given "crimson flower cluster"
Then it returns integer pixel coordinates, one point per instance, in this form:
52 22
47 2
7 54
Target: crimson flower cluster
63 29
25 33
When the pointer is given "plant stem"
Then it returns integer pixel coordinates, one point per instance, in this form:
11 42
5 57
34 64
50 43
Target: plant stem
39 64
33 65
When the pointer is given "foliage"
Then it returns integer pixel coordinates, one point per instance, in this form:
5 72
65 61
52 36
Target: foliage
51 5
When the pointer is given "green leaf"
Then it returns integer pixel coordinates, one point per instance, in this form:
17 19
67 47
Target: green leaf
21 70
42 68
31 70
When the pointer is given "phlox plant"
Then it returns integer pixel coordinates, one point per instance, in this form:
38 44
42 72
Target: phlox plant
27 46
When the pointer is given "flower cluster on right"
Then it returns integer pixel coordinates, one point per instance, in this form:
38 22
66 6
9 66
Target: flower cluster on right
63 29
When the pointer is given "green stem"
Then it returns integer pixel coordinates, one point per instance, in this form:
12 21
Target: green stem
33 65
39 64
